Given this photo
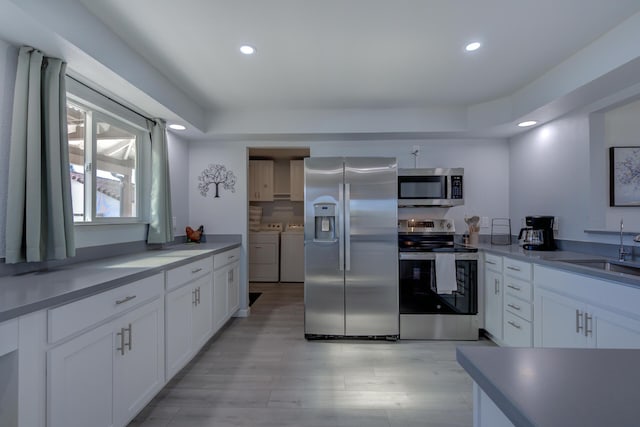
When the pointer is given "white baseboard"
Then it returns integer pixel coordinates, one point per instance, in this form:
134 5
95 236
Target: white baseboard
245 312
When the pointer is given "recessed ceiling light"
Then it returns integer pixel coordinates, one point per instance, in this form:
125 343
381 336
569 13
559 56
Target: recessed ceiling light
527 123
176 126
472 46
247 49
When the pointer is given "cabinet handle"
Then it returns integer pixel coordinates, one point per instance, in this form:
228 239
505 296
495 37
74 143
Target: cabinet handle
231 257
130 343
496 286
127 299
121 335
587 328
198 295
194 298
197 270
513 268
578 317
515 307
514 324
515 288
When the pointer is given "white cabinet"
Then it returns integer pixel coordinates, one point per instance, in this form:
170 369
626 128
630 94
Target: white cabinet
9 373
107 374
260 180
573 310
226 286
292 256
296 180
561 321
264 256
493 299
518 303
189 319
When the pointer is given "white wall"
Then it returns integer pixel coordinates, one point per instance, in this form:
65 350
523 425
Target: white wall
549 175
621 127
562 169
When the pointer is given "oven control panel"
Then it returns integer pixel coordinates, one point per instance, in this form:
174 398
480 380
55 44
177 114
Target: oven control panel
439 226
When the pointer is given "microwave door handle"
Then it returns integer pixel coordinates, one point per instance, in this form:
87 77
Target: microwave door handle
347 226
339 228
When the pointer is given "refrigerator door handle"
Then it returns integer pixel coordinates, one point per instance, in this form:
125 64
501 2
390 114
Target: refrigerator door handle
347 226
340 230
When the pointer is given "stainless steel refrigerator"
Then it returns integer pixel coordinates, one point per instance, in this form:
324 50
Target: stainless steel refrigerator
351 247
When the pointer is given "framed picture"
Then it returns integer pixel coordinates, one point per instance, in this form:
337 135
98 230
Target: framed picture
624 176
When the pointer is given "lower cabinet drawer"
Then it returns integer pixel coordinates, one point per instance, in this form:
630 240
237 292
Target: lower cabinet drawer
517 332
70 318
518 307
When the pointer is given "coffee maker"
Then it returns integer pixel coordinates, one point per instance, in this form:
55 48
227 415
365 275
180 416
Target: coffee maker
538 235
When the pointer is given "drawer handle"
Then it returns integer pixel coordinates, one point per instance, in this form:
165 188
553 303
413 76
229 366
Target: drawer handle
231 257
197 270
515 325
127 299
515 307
513 268
515 288
490 262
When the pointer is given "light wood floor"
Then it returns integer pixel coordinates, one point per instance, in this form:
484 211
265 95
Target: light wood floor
260 371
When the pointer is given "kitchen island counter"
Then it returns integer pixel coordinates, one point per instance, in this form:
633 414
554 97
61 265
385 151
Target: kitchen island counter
557 387
25 293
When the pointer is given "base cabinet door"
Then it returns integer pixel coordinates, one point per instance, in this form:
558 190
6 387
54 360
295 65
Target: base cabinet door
560 321
613 330
80 380
139 366
202 312
179 304
220 299
233 289
104 377
493 321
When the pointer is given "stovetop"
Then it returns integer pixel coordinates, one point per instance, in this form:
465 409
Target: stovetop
429 235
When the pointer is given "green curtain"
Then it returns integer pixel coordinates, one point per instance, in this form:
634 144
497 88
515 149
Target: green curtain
39 221
160 217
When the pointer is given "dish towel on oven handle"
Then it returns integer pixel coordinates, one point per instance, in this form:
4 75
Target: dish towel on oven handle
446 273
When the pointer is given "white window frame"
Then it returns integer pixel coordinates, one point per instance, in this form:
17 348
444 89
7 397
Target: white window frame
100 107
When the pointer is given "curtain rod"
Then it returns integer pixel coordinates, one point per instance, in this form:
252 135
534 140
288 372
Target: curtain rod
111 99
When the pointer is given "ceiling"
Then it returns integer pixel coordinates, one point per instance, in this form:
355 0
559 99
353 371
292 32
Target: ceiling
364 54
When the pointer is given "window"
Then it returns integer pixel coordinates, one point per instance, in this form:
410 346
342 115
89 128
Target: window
104 164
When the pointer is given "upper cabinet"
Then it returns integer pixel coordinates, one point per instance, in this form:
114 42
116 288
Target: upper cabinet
260 180
296 173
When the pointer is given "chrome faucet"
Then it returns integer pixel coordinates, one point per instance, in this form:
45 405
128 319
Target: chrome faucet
621 251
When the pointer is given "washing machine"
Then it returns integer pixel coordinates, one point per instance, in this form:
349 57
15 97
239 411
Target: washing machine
264 253
292 253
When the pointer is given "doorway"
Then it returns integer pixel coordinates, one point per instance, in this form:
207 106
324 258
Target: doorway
275 203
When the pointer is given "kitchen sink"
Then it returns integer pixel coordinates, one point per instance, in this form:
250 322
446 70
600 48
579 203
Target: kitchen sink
617 267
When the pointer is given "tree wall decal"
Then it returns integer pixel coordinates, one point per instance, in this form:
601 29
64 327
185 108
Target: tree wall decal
216 175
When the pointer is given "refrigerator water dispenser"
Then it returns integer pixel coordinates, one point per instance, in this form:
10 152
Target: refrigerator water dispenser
325 222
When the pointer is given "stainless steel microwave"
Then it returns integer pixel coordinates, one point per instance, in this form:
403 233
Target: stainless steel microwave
431 187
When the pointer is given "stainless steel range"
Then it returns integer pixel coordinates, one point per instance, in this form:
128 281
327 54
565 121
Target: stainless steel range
438 282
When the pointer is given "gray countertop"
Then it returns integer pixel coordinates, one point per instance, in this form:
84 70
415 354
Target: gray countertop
25 293
555 259
558 387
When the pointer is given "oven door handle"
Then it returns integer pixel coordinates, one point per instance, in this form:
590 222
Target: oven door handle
429 256
417 256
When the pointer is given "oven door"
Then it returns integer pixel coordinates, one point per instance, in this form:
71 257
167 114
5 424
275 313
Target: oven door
418 292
